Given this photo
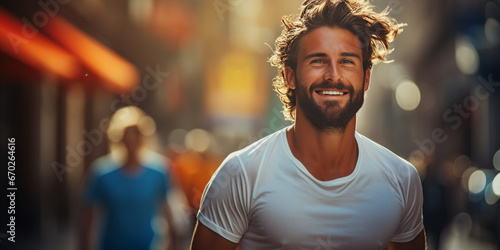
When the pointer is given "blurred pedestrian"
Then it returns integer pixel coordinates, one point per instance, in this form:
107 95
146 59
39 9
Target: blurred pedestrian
127 188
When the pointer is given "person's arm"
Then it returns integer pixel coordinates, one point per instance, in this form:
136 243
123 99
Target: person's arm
412 220
229 188
86 225
419 243
204 238
172 233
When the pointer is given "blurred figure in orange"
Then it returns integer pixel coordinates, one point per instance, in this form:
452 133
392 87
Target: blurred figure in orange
128 187
194 170
194 161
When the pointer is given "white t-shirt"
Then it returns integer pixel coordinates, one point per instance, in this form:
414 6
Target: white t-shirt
262 197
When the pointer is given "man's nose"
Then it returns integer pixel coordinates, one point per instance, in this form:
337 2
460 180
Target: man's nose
332 73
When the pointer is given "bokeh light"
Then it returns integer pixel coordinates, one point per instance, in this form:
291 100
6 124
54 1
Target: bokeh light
496 160
466 56
489 195
460 164
477 182
492 31
407 95
249 9
496 185
465 177
197 140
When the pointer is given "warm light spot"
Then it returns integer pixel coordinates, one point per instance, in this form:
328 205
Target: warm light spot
466 56
489 195
118 74
492 31
26 44
408 95
496 160
248 9
197 140
465 177
496 185
477 182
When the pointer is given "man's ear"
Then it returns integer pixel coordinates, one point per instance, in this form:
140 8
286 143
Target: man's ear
368 73
290 77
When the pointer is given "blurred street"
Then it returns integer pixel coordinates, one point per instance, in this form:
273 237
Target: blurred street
199 71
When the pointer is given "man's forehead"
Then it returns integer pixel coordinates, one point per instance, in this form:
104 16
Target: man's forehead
329 40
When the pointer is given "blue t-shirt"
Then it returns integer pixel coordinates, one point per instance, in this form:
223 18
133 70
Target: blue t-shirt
128 203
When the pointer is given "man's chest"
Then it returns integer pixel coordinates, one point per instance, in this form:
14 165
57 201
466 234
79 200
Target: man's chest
302 216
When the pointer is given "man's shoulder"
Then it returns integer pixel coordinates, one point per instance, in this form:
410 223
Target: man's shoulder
248 160
154 161
378 153
260 148
104 165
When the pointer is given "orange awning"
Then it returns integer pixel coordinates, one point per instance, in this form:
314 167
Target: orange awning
117 72
28 45
66 52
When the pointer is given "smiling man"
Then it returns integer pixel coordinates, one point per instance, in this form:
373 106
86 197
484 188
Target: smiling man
318 184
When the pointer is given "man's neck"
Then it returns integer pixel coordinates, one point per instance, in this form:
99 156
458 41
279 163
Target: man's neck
131 165
327 155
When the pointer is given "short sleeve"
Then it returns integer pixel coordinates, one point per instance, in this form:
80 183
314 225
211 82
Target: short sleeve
225 201
412 221
91 190
164 185
158 163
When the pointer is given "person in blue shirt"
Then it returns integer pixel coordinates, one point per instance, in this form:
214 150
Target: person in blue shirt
127 196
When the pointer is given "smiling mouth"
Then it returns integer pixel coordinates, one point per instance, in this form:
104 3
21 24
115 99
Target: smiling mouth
331 92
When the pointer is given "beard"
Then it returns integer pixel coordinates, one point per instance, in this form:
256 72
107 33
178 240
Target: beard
331 117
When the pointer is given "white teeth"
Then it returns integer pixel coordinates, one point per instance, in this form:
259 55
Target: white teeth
324 92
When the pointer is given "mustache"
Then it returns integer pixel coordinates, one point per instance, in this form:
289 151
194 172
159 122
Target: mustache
332 85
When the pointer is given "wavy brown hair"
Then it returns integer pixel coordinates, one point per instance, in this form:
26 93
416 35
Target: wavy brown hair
374 30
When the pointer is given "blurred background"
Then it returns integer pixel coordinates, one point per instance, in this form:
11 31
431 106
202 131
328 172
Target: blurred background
199 69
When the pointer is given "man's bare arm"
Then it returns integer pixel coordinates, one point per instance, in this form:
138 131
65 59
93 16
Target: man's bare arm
86 225
419 243
204 238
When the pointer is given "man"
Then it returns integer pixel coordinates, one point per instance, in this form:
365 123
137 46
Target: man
318 184
127 191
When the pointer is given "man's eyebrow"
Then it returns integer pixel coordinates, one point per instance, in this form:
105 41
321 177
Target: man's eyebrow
347 54
351 54
315 55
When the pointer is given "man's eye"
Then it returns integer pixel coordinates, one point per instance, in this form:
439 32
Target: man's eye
317 61
347 61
